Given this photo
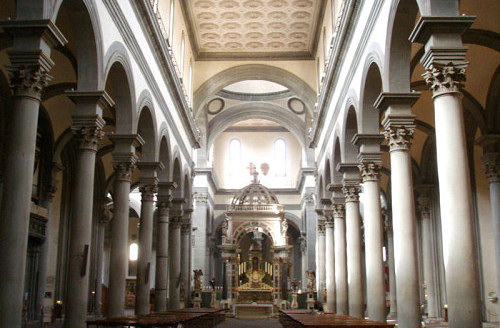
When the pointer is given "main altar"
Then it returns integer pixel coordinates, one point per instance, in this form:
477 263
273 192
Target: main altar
255 252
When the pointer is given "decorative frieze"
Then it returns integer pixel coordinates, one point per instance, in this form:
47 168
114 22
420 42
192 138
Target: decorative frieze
351 193
370 171
445 78
399 137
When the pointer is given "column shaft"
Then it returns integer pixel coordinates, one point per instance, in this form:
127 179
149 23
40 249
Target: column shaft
81 225
100 264
353 240
462 286
175 263
119 247
185 250
16 197
456 213
403 214
375 284
428 268
321 260
330 266
145 247
341 261
161 281
392 272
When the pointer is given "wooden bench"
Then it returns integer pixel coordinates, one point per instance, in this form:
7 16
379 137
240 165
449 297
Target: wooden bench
189 318
304 318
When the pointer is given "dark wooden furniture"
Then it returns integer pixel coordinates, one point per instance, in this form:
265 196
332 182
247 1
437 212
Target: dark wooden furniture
189 318
304 318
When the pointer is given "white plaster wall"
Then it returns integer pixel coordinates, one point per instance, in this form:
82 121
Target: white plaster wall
258 149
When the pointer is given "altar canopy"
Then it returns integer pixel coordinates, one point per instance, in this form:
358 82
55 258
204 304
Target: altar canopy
255 248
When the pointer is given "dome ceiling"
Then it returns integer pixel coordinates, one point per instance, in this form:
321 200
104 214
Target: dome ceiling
253 28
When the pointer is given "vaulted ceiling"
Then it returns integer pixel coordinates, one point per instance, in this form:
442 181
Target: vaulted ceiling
233 29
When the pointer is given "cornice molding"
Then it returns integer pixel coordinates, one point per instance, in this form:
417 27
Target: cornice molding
331 78
169 74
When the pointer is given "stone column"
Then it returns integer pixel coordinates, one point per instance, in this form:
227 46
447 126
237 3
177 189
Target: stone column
175 259
161 278
149 181
444 61
399 125
185 258
101 232
320 266
424 205
492 165
124 163
28 76
340 259
329 262
304 260
87 129
374 239
392 272
353 241
143 284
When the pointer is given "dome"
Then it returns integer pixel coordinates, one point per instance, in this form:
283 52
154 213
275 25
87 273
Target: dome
255 194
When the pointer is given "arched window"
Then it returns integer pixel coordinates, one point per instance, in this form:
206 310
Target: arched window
133 252
171 23
181 57
280 157
234 157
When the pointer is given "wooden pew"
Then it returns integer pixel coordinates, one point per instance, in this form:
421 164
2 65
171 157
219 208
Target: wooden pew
189 318
306 319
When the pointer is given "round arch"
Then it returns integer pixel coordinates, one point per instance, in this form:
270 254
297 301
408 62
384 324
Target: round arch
254 72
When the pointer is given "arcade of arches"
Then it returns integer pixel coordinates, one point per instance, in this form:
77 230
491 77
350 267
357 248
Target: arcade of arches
262 142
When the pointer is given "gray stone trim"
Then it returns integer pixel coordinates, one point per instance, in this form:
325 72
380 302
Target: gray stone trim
332 75
287 207
256 129
171 79
255 97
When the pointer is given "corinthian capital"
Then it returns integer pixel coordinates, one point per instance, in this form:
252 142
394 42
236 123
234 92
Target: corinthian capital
399 137
321 228
492 166
124 170
148 192
88 131
370 171
445 78
28 80
351 193
338 211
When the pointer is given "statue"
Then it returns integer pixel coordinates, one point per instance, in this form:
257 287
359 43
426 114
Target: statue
284 227
197 279
311 280
224 228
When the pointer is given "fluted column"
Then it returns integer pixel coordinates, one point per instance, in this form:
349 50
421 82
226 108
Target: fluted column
374 241
329 262
148 192
161 276
424 206
28 76
320 237
175 259
87 129
340 259
392 272
124 163
444 61
353 241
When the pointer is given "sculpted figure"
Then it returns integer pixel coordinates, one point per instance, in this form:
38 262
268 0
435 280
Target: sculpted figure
197 279
311 280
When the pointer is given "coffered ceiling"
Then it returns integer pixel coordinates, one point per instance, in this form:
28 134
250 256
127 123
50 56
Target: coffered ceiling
236 29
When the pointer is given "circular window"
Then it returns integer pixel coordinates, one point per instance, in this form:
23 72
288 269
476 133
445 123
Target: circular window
215 106
296 105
